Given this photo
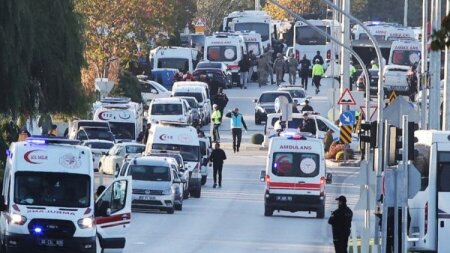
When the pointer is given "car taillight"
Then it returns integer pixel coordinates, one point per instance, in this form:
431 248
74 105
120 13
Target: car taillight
297 54
268 180
329 54
426 219
323 181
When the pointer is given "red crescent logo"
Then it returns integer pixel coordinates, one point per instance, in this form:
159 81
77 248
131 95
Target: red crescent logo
100 116
28 158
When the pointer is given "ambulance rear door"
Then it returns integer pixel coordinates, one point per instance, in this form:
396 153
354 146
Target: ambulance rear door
443 198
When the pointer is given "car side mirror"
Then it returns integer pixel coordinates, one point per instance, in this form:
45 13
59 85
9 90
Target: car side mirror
153 91
255 100
108 212
329 178
262 176
2 204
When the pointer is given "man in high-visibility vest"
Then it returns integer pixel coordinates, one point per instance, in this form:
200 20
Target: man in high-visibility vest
216 118
352 74
317 73
374 65
236 124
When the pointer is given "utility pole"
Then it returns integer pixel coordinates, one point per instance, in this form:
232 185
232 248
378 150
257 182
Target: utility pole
446 112
405 14
345 60
435 70
424 66
257 5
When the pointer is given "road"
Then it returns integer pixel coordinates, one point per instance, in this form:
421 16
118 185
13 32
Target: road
231 219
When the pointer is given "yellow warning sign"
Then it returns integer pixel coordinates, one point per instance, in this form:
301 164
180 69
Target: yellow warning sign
393 96
346 134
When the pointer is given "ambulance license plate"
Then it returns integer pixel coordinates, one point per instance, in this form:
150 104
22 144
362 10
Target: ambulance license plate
284 198
146 198
51 243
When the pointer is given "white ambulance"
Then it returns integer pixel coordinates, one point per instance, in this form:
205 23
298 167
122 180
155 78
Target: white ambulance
403 55
182 58
124 116
228 48
169 136
47 202
253 42
295 175
430 207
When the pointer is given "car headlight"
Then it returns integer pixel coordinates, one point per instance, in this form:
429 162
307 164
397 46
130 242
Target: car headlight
260 109
87 222
168 191
17 219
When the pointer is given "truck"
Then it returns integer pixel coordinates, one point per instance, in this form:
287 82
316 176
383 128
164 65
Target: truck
47 202
182 58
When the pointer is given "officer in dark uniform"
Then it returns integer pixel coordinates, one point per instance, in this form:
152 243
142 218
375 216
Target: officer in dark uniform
341 222
309 125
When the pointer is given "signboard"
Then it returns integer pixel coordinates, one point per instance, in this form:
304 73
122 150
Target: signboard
200 26
346 134
393 96
346 98
373 112
348 118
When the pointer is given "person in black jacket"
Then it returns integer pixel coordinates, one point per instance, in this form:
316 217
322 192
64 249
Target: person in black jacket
217 157
341 223
318 57
309 125
305 65
307 107
221 100
244 67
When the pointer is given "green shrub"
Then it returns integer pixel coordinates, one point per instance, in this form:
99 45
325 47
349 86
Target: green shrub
257 139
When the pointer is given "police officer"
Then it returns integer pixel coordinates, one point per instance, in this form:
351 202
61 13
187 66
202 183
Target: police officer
236 124
341 222
216 118
307 107
317 73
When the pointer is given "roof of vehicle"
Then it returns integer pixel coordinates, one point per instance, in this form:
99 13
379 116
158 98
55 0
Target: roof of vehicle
188 89
188 98
95 141
129 144
190 84
150 160
171 100
291 87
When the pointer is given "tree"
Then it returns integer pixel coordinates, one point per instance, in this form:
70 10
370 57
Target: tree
301 7
214 11
441 38
128 86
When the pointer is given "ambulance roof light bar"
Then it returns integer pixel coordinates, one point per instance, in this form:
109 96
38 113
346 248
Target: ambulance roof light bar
115 100
44 140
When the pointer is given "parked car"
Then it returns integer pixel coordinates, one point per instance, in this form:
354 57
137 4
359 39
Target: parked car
266 104
112 161
98 148
214 75
169 109
194 112
151 90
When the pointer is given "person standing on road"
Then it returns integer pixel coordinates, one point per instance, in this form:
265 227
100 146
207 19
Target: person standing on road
278 66
269 66
318 57
292 68
341 223
251 70
221 100
307 107
236 124
216 118
244 67
217 157
305 64
308 125
317 73
413 82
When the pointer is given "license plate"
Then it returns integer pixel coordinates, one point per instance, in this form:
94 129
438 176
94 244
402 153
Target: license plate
51 243
146 198
284 198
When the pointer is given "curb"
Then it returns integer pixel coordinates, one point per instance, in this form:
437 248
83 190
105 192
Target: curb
350 163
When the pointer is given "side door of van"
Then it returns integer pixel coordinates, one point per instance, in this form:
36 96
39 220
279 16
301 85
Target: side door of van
443 195
205 159
113 214
321 128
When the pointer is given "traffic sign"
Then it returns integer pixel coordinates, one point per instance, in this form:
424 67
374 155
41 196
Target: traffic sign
373 112
200 26
393 96
348 118
346 98
346 134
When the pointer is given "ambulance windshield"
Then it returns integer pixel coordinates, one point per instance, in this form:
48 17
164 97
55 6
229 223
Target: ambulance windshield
287 164
52 189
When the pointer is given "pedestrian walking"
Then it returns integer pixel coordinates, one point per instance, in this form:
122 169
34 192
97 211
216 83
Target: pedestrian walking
216 117
292 68
221 100
251 71
341 223
305 64
317 73
318 57
373 65
278 66
216 158
236 124
244 67
413 82
307 107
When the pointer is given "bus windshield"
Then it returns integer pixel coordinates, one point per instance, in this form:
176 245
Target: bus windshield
261 28
306 35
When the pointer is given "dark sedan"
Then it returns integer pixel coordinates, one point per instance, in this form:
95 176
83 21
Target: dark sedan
361 82
214 75
266 104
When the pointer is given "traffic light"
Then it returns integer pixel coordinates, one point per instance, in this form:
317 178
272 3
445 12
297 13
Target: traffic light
368 133
396 143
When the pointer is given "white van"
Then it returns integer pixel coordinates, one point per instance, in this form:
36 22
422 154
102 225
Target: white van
295 175
47 201
200 94
182 58
168 109
168 136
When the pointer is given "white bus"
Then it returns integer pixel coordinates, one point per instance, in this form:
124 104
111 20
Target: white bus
430 207
307 41
182 58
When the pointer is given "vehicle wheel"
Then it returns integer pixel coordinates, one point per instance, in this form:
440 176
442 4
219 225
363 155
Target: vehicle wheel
321 212
198 193
179 207
268 211
204 178
171 210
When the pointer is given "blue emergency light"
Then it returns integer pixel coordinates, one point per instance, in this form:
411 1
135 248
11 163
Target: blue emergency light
37 230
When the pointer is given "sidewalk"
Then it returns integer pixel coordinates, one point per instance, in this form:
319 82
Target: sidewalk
349 163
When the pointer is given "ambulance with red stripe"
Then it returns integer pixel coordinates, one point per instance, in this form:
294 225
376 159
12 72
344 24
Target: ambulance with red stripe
228 48
295 175
47 202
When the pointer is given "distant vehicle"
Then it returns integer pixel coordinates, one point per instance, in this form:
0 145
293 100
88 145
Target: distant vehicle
182 58
169 109
124 117
113 160
151 90
165 76
214 75
185 89
94 133
361 82
153 184
77 124
213 65
98 148
297 92
194 111
253 42
266 104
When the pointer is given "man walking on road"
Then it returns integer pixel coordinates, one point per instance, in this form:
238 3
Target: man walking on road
318 57
292 66
304 71
244 67
221 100
236 124
216 118
278 66
217 157
317 73
341 222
